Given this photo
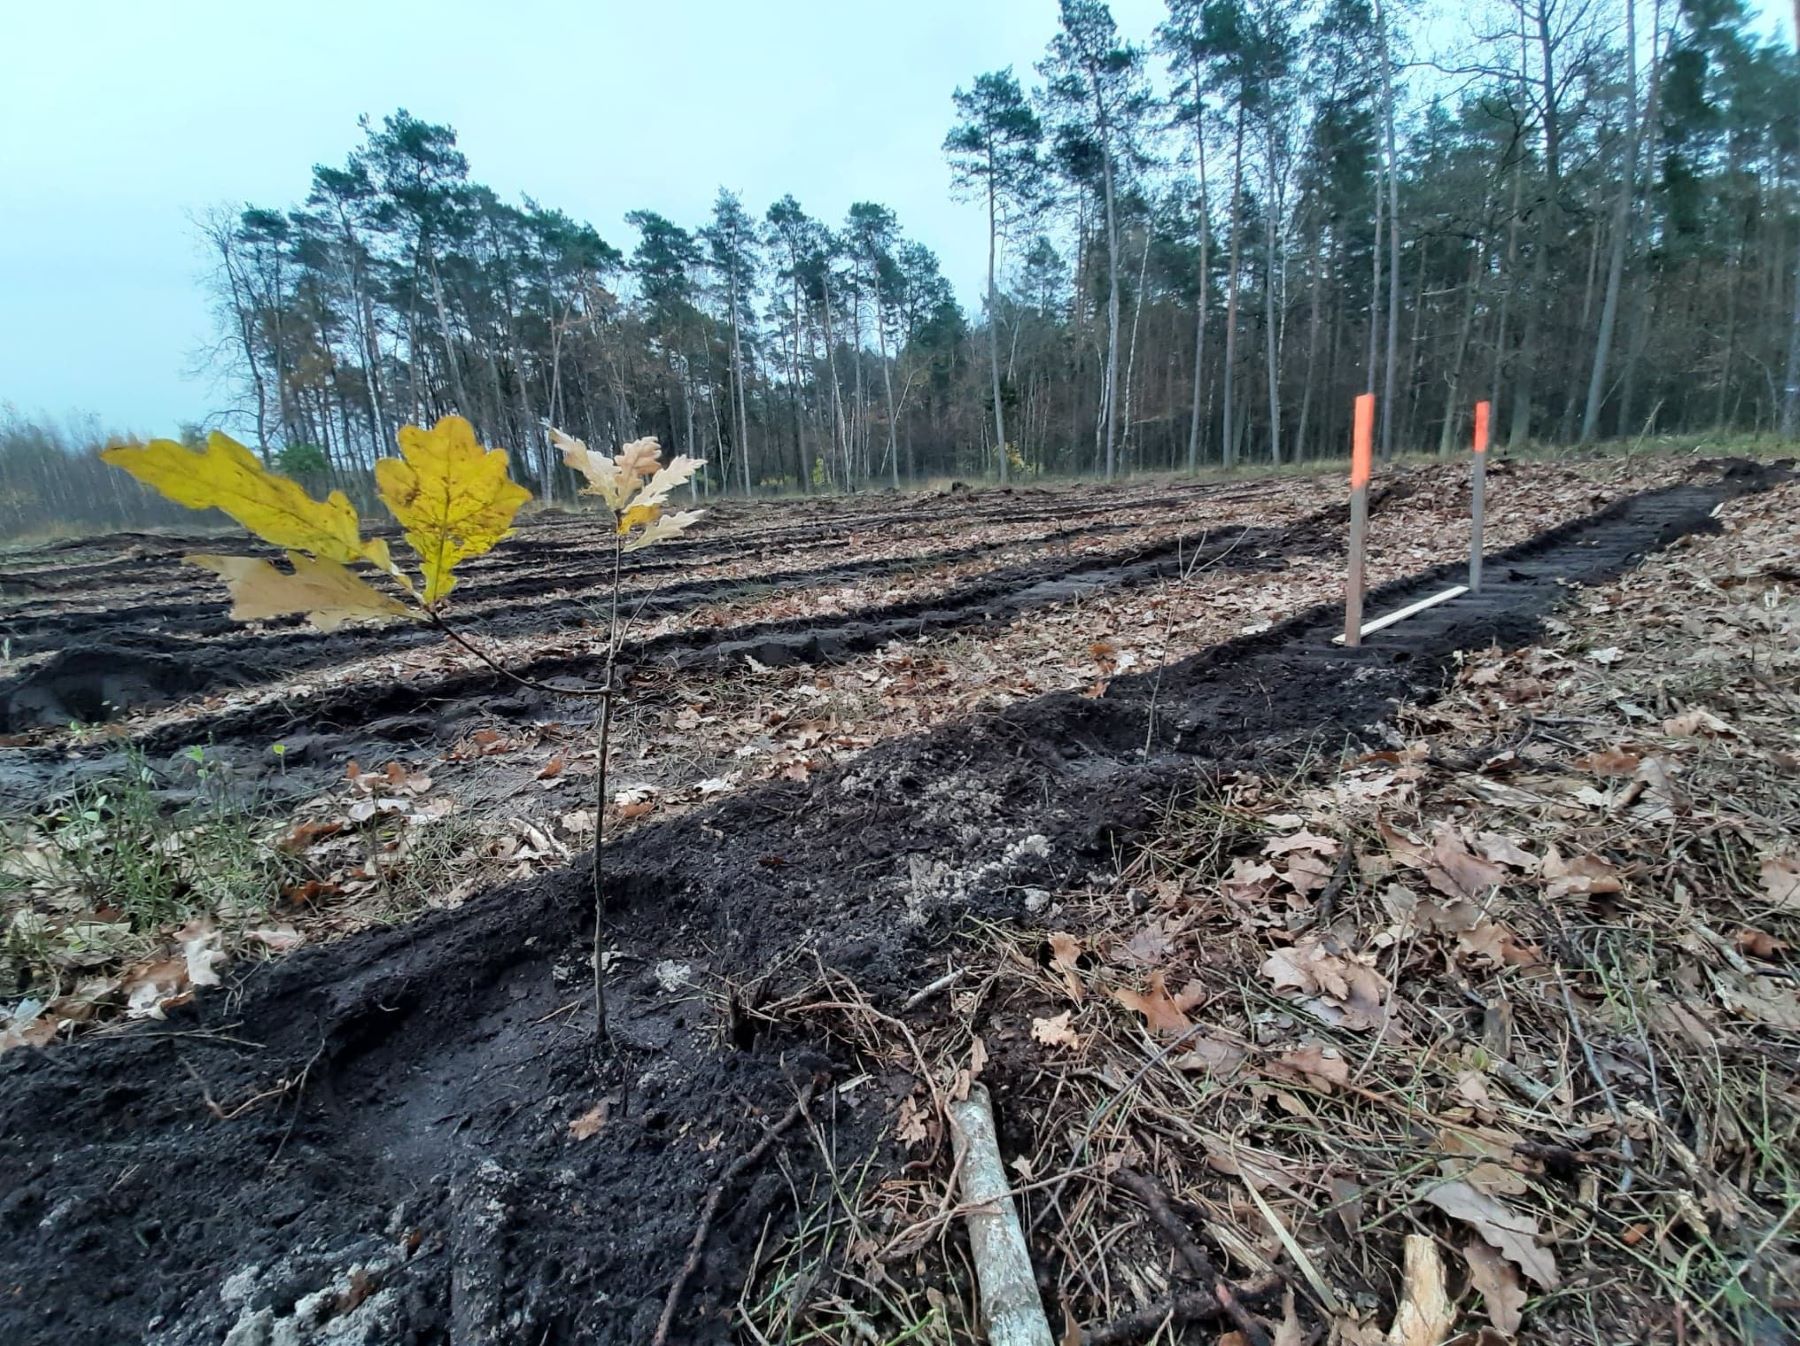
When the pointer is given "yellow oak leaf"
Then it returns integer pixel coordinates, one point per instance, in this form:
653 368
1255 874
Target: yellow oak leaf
453 498
227 476
327 592
639 516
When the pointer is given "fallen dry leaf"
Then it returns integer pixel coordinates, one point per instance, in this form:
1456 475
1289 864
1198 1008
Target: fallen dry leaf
1498 1282
1311 1063
1464 874
1209 1053
1065 949
1307 873
1055 1031
910 1129
200 949
1506 851
276 938
1288 1331
1609 762
1249 881
1759 943
1512 1232
1163 1013
156 987
589 1124
1585 875
1694 722
1762 999
1302 841
1149 947
1342 989
1781 881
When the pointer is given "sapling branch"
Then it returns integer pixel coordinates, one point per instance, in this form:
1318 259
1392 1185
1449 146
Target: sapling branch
436 619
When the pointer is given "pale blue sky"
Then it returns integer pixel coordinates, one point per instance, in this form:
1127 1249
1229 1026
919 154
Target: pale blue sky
119 118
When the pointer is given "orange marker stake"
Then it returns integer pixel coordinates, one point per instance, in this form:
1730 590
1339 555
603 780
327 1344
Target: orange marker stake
1478 496
1362 453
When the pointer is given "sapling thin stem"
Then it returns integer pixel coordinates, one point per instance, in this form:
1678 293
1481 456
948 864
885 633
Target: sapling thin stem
606 709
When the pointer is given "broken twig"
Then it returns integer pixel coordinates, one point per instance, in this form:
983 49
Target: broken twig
1197 1306
743 1165
1156 1201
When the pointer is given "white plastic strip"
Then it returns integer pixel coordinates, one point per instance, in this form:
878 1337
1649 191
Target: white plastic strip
1382 623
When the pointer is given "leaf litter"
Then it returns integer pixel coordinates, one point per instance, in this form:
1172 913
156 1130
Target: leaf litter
1386 1095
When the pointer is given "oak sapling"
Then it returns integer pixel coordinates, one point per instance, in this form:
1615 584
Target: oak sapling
454 499
633 487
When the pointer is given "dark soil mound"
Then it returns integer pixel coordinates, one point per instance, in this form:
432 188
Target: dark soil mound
90 683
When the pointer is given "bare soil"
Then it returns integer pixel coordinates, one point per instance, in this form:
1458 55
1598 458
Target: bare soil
369 1140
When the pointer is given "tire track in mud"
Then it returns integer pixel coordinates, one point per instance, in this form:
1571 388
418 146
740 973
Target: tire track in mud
82 681
987 602
203 630
437 1065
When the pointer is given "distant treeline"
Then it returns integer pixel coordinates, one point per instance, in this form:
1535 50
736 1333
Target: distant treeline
1208 238
51 481
1205 240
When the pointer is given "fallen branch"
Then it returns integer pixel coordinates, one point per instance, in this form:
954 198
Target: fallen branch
1156 1200
1011 1308
924 993
743 1165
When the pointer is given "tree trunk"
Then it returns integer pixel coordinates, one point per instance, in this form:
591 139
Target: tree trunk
1547 233
1205 289
1271 338
1452 399
1615 261
1231 289
993 296
1109 400
740 429
443 317
1393 211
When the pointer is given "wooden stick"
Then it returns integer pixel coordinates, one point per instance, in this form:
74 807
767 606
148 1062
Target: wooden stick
1196 1307
698 1243
924 993
1010 1305
1361 463
1478 496
1149 1191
